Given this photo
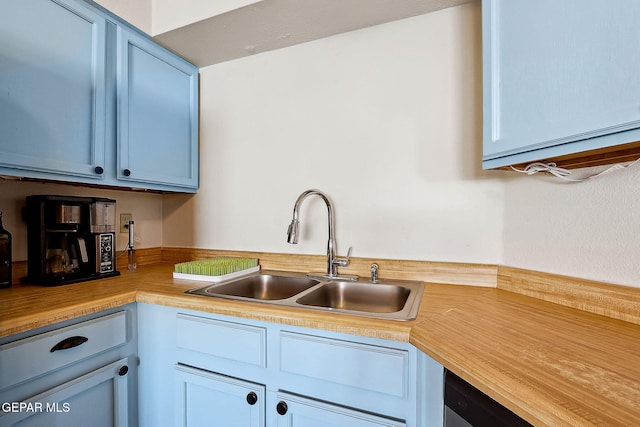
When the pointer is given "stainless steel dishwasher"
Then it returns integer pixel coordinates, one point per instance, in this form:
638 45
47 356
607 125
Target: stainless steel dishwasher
465 406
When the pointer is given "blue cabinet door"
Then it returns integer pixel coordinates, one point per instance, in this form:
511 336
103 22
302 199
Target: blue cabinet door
157 114
298 411
97 399
52 89
208 399
560 77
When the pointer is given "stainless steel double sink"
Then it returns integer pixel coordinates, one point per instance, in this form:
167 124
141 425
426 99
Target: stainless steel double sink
385 299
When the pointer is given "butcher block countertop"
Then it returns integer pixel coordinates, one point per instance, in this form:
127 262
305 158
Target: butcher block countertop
551 364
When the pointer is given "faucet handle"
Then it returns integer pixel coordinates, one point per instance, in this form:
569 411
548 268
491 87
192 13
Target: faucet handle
343 262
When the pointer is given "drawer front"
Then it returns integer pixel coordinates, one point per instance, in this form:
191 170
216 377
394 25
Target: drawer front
30 357
229 340
364 366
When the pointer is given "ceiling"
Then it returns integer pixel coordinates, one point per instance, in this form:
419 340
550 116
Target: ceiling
274 24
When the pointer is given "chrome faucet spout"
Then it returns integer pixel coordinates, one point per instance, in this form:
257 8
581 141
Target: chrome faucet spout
292 233
294 228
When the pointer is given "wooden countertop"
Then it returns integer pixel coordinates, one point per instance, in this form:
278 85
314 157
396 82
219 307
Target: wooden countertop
551 364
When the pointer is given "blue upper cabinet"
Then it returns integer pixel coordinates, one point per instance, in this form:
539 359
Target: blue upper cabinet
86 98
560 80
52 89
157 114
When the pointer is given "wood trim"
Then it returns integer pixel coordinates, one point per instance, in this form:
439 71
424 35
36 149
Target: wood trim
615 301
427 271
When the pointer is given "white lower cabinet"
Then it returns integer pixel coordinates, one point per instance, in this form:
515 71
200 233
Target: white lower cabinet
206 369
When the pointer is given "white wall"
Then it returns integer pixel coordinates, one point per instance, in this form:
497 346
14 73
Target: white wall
589 230
385 120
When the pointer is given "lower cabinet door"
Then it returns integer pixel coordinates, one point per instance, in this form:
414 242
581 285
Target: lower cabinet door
298 411
97 399
204 398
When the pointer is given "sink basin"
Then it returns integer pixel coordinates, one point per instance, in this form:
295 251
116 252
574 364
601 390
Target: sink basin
390 299
372 298
259 286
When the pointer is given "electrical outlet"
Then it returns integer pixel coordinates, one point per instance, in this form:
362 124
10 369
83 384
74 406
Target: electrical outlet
124 222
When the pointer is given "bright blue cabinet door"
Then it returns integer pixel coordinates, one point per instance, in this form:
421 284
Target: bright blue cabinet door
208 399
52 88
560 76
157 114
97 399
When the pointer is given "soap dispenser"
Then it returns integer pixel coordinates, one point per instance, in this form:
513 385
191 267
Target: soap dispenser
5 256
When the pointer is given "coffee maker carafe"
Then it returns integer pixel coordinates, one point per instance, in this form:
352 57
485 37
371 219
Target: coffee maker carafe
70 239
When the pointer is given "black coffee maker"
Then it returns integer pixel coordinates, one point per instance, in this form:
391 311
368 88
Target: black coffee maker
70 239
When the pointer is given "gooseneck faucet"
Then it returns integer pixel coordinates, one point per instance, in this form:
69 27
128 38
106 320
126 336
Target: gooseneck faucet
292 233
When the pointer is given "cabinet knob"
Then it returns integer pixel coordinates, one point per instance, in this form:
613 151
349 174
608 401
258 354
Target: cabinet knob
126 172
123 371
282 407
99 170
252 398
